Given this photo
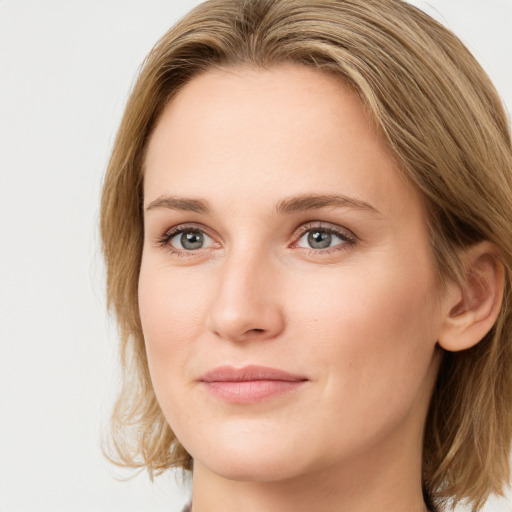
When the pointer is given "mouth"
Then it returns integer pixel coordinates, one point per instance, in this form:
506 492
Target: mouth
250 384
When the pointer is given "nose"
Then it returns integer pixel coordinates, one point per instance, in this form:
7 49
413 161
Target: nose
246 304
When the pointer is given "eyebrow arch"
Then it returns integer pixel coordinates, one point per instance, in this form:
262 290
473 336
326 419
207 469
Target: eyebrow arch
180 204
314 201
286 206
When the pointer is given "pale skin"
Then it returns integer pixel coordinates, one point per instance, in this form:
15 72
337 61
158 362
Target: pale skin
360 316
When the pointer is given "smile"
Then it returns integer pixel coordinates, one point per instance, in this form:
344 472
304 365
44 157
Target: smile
251 384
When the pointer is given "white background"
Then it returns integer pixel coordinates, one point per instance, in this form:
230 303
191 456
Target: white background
66 67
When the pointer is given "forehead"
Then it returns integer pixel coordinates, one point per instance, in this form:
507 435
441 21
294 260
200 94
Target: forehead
248 133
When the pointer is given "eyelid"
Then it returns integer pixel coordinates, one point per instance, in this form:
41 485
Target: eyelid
177 238
165 238
343 232
348 240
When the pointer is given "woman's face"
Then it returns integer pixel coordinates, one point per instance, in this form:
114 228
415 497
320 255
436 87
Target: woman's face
279 233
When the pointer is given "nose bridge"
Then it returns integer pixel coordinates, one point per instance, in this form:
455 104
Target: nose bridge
247 300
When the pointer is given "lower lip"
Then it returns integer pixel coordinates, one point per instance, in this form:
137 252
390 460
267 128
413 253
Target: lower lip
251 391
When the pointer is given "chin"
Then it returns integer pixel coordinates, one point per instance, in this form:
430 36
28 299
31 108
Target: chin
249 459
264 469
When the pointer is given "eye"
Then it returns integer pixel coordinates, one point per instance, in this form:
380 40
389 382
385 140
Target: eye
324 238
184 239
190 240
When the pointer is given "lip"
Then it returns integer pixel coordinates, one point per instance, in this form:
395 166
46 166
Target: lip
250 384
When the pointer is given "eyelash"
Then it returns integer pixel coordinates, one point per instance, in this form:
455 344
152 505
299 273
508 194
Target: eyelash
347 237
164 240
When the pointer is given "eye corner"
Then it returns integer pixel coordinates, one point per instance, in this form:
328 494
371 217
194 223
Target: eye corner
328 232
199 236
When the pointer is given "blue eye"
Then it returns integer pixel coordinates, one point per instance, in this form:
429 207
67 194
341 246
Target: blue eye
189 240
323 238
185 239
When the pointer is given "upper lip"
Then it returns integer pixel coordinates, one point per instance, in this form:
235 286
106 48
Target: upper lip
248 373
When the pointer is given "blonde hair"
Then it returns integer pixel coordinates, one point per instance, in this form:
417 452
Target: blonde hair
444 121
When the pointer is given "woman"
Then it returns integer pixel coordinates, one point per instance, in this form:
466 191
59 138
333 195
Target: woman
306 225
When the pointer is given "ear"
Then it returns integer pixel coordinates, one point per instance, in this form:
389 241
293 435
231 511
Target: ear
472 306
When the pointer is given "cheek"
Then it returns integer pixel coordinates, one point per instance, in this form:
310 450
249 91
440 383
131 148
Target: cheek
374 332
370 338
172 308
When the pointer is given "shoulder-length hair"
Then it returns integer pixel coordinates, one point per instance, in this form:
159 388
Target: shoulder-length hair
445 123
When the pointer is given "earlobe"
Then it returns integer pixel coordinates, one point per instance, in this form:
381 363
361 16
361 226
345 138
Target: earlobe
472 306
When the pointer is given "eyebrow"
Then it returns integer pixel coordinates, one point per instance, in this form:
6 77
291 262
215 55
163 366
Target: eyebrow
286 206
315 201
181 204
